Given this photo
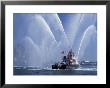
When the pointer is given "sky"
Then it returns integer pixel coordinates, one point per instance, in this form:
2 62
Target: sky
60 30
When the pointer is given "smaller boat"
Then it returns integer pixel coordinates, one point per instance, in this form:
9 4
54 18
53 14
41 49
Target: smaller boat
87 63
68 62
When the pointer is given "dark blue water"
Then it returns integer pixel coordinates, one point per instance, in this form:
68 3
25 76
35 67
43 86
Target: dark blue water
82 70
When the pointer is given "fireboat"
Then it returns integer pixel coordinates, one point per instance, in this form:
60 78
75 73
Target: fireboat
68 62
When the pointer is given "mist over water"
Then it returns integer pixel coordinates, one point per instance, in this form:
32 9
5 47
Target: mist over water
39 39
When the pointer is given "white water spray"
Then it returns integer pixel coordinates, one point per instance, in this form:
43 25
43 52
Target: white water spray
46 38
86 38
